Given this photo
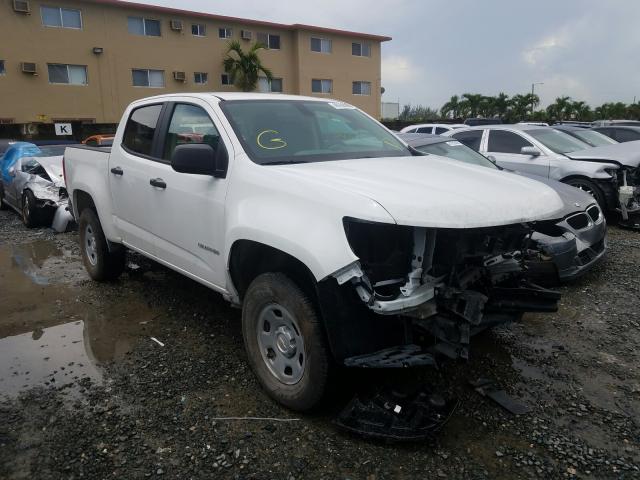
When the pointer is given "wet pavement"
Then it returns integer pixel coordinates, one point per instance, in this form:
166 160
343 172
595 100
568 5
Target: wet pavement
86 393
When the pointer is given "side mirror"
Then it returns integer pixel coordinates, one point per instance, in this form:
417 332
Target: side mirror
12 171
531 151
491 158
201 159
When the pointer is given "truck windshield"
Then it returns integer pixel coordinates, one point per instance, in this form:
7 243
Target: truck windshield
298 131
558 142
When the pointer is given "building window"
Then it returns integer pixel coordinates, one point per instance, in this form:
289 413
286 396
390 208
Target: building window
225 79
361 88
273 86
361 49
2 69
67 74
322 45
61 17
225 32
144 26
272 42
148 78
321 86
200 78
199 30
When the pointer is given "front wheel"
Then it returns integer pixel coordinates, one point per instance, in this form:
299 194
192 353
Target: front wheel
101 263
591 188
29 212
285 342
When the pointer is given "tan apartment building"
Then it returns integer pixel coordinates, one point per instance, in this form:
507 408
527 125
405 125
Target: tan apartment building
85 60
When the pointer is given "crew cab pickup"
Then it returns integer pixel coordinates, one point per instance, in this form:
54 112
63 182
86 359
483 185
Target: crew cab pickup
343 245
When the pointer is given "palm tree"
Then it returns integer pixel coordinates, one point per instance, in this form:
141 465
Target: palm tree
472 102
451 107
560 109
244 68
501 104
581 111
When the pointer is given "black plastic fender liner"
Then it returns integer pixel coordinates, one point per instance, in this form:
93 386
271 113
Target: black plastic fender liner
352 329
400 356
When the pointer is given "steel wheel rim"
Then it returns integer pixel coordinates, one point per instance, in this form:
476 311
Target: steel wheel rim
281 344
90 249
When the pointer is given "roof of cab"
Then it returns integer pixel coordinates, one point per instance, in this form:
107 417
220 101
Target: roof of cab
235 96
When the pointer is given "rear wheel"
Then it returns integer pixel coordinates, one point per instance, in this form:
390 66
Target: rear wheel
285 342
101 263
591 188
29 209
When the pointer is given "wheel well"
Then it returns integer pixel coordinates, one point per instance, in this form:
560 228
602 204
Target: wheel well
83 200
248 259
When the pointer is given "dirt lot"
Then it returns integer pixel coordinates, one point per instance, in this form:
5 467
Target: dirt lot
86 393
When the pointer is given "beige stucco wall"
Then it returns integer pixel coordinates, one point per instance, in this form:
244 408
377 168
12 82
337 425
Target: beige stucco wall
25 98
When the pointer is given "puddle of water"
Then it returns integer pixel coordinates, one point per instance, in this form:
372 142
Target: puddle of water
53 330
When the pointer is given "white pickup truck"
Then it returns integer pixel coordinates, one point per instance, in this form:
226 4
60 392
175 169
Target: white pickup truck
343 246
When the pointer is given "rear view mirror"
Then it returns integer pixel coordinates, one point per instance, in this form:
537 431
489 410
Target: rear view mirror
201 159
531 151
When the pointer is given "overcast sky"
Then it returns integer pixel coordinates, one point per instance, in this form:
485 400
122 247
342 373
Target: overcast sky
586 49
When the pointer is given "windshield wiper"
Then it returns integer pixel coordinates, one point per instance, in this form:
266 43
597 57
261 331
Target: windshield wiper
283 162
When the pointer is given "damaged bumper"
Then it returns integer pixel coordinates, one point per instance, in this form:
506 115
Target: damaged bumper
445 283
571 247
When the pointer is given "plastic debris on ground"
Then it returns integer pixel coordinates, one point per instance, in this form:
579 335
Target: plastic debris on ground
488 388
397 416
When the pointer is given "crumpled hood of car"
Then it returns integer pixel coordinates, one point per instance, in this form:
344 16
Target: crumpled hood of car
53 167
627 153
435 192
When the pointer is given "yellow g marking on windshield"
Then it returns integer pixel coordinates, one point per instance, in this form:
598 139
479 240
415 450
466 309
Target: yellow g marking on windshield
392 144
274 143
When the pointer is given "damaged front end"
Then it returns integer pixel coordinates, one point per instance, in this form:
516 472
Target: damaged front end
52 203
442 284
629 197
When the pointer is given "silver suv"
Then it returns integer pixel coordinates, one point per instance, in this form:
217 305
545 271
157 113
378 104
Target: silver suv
609 173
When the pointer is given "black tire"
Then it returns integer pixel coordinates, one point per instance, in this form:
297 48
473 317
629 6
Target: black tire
29 209
277 291
591 188
101 263
3 206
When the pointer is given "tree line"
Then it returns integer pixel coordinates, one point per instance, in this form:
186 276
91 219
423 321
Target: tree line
519 108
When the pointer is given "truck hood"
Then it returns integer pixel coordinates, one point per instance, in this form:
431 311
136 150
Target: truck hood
436 193
627 153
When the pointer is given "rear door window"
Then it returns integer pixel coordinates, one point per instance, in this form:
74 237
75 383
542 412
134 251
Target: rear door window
471 138
141 128
624 135
501 141
424 130
189 124
441 130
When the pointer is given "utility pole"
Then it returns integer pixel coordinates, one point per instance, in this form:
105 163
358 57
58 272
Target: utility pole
533 86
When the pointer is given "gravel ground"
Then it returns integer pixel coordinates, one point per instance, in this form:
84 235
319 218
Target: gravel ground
86 393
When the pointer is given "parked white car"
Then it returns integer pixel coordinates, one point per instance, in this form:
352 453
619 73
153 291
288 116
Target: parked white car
610 173
342 245
434 128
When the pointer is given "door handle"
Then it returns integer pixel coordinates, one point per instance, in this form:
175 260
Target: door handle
117 171
157 182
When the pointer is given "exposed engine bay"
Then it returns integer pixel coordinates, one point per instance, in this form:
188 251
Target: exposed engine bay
628 181
450 283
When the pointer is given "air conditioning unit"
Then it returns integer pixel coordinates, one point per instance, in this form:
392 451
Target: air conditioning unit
179 76
176 25
246 34
29 67
21 6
